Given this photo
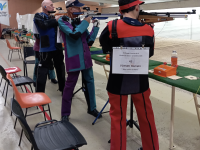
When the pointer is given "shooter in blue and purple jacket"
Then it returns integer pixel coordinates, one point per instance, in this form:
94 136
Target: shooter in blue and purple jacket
77 41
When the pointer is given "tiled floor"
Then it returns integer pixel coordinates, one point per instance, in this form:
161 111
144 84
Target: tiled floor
187 130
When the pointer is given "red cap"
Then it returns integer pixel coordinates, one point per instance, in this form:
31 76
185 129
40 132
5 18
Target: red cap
136 2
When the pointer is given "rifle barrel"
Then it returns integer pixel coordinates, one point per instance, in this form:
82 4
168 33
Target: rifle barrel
168 14
142 13
174 16
173 13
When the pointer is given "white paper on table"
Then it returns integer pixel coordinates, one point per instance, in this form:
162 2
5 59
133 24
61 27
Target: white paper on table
100 56
191 77
151 71
174 77
130 60
59 36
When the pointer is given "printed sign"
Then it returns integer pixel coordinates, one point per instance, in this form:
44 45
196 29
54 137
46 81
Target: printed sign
4 15
130 60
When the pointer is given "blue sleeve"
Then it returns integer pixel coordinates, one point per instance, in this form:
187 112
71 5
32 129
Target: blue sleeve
92 35
44 24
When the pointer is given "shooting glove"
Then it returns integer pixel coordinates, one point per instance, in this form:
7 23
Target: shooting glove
96 23
65 18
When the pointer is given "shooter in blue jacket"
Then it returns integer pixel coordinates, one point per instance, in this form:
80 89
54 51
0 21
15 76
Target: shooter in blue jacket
49 48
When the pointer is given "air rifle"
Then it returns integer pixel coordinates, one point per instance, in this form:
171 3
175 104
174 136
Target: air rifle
144 17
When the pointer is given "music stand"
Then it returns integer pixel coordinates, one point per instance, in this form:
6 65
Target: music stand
132 122
129 123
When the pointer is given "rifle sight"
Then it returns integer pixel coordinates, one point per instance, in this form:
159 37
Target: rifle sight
59 8
86 8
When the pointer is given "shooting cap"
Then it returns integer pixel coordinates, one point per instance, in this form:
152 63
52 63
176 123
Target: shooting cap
131 4
70 3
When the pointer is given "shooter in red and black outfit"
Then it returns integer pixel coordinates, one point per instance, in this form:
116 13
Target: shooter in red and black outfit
131 33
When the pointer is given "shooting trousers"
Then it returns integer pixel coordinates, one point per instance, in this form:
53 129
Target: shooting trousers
51 72
145 116
88 81
44 67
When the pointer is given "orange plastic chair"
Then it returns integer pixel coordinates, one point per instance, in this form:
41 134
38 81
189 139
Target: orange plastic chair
17 42
28 100
13 49
16 39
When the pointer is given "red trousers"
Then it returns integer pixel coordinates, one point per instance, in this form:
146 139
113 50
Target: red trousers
145 116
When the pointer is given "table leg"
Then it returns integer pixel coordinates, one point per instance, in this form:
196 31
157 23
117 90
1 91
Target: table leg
105 71
197 106
172 119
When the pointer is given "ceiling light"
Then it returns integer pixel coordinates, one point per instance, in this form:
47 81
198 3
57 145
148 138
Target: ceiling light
101 4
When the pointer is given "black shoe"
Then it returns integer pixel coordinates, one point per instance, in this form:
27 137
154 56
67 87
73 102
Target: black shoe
61 92
54 81
65 118
140 148
94 113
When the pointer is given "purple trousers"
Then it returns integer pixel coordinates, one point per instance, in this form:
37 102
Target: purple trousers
88 81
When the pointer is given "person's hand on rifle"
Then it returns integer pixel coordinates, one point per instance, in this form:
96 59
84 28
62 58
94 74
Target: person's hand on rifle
88 19
58 17
96 22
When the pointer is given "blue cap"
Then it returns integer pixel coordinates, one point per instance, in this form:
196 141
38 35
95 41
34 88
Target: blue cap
75 3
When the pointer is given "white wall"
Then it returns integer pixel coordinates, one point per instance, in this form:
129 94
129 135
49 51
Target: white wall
161 5
26 20
103 24
179 28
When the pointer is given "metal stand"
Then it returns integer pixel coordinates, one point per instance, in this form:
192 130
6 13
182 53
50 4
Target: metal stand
82 88
132 122
129 123
101 112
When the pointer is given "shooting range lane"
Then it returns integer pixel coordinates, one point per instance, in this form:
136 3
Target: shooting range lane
98 135
186 125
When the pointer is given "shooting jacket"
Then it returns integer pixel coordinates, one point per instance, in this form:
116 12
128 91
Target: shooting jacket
77 40
131 32
47 28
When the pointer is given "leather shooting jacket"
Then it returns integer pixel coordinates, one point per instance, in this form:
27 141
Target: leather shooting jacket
131 32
